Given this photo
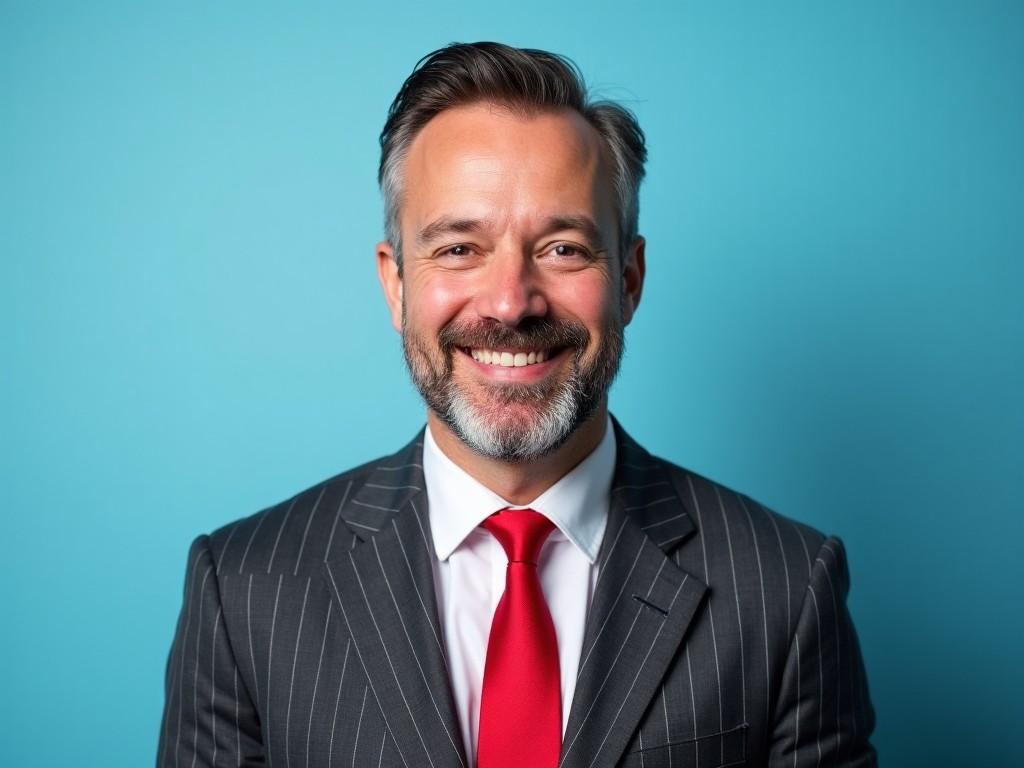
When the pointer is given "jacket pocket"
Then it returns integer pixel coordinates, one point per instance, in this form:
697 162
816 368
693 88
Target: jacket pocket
713 750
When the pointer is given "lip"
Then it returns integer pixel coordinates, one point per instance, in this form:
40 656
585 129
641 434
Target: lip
525 374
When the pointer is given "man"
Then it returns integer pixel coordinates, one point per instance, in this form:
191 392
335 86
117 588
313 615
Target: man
522 585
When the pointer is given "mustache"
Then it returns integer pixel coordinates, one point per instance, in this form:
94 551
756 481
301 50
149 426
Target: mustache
532 333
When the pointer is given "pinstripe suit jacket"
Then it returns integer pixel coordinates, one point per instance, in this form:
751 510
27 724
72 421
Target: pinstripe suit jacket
718 634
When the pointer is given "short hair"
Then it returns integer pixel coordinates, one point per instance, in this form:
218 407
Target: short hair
521 78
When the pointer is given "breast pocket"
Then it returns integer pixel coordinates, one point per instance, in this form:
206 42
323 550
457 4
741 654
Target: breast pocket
713 750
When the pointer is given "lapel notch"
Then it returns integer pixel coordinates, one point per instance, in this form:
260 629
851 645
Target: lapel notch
384 587
643 605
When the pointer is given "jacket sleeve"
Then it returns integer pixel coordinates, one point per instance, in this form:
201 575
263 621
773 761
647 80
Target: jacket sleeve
209 718
824 715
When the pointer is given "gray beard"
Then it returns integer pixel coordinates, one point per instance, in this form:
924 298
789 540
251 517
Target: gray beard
496 428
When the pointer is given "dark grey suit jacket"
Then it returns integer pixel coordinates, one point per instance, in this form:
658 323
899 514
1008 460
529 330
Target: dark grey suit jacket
718 634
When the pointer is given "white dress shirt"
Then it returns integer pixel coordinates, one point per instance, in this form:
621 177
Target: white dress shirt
469 571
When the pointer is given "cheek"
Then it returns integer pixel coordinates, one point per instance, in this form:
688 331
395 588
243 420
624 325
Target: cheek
588 299
433 300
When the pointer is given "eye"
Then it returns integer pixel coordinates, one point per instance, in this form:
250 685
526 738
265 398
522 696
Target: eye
456 250
460 253
568 252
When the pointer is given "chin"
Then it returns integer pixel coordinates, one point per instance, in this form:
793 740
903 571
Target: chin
514 432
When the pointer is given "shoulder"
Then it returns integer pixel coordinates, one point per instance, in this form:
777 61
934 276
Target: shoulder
299 532
759 563
738 536
730 526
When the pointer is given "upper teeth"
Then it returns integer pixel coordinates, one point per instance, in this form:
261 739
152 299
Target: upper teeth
508 359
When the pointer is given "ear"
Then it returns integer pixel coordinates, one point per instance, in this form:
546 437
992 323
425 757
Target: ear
633 270
390 277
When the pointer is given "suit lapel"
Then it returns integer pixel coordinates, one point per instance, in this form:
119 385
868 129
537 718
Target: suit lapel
643 604
384 587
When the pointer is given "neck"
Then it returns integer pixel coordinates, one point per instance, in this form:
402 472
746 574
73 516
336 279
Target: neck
521 482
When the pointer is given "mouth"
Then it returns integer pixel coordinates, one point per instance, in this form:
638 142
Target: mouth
511 358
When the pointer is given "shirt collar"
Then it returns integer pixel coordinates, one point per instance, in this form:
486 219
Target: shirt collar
577 504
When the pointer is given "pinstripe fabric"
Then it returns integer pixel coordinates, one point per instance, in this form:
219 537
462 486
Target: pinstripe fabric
718 634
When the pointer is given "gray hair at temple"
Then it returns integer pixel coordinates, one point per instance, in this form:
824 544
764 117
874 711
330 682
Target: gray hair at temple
523 79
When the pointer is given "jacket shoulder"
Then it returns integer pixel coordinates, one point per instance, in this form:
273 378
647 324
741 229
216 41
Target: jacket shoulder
294 535
733 526
717 511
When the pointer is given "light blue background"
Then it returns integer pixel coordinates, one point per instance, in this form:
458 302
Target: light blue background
191 327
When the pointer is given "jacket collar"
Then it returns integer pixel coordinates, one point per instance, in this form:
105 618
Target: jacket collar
641 489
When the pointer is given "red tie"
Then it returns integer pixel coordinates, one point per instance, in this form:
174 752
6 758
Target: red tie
521 703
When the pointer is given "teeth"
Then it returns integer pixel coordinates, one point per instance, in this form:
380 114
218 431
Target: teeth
508 359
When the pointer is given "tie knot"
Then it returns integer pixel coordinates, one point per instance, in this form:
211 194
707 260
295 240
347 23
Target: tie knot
521 532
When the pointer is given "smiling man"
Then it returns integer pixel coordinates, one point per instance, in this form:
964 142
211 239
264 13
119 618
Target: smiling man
513 296
522 585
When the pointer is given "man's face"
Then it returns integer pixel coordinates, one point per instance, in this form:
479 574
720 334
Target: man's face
514 293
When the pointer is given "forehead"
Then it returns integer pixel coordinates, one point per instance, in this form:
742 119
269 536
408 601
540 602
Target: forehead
489 160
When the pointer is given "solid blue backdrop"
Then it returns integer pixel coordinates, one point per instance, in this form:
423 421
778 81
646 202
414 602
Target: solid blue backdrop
192 330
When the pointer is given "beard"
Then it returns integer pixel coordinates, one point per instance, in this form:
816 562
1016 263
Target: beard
515 422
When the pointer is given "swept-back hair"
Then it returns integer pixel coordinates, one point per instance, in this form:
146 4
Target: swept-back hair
520 78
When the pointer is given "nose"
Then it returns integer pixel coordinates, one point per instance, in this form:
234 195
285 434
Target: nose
510 290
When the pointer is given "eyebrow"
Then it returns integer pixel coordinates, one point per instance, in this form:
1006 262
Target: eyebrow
583 224
447 225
